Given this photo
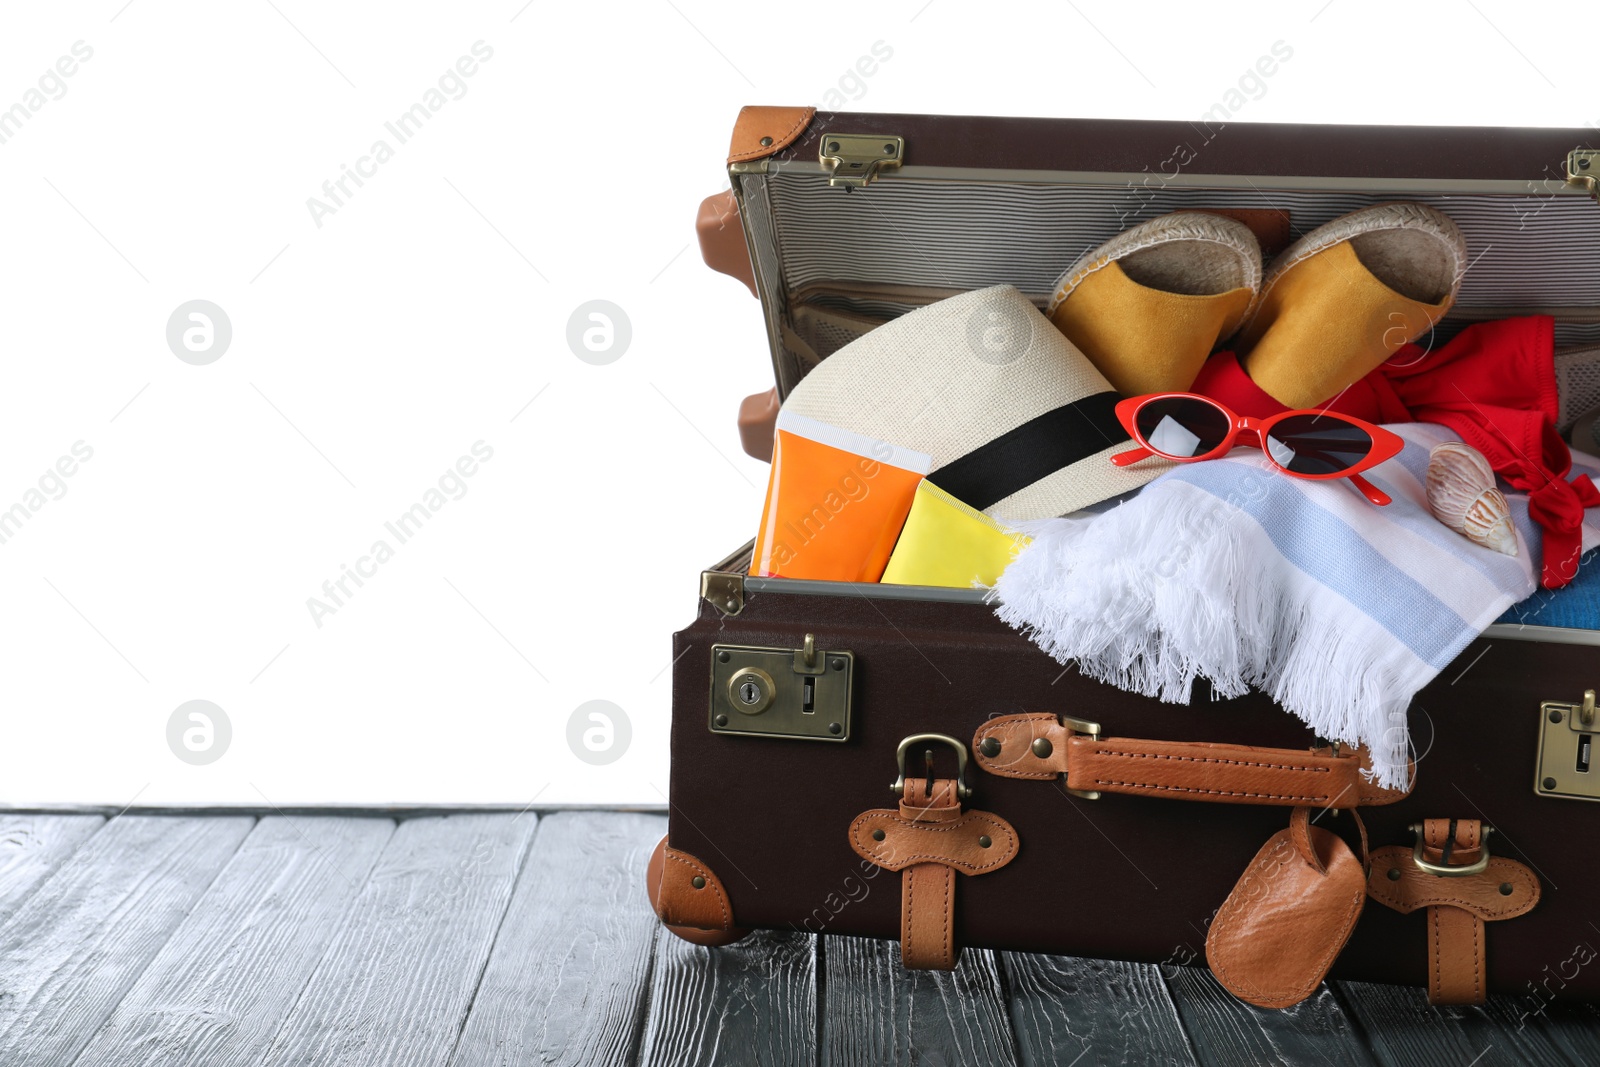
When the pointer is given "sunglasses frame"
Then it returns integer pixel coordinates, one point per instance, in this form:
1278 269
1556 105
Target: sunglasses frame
1243 429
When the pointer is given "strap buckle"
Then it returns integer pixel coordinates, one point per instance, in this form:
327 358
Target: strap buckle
899 786
1445 870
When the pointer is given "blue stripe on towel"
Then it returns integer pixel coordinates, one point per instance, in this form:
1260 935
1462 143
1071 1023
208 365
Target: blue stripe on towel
1330 551
1498 569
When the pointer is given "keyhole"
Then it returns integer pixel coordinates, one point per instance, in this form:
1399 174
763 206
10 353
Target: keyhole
749 692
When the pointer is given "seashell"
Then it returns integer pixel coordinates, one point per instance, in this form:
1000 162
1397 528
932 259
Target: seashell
1462 495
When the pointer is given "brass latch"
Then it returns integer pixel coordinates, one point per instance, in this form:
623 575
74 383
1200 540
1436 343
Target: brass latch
1583 170
801 693
854 159
1566 764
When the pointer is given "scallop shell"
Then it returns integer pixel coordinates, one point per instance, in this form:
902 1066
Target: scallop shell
1462 495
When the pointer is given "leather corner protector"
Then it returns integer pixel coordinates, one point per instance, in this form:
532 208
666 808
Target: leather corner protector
1016 734
956 844
1413 888
700 914
779 126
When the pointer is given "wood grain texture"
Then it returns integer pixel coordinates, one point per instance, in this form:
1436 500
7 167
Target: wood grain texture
1092 1012
1574 1028
398 978
1227 1032
750 1004
83 938
216 993
32 847
570 972
878 1012
1406 1031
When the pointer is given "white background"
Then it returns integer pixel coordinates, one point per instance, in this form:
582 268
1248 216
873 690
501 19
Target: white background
422 316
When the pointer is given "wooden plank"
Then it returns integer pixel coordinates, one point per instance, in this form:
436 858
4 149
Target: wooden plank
217 992
750 1004
1405 1030
1226 1031
394 987
32 847
879 1012
1575 1028
75 946
570 971
1092 1012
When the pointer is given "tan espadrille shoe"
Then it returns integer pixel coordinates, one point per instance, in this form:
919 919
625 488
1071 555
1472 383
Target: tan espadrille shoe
1149 305
1346 296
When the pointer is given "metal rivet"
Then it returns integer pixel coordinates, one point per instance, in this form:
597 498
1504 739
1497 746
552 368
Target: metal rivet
722 720
1394 874
1555 716
1549 783
989 746
723 656
833 146
836 664
834 728
877 835
1042 747
1583 164
889 148
766 142
984 842
698 882
1506 889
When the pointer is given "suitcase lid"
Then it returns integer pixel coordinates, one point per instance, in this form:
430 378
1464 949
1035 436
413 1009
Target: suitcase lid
854 218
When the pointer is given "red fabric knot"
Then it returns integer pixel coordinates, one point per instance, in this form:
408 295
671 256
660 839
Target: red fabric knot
1558 506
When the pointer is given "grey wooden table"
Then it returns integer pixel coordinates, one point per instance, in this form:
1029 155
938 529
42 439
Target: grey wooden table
497 938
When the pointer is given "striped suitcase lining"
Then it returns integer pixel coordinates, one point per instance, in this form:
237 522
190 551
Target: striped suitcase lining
1525 252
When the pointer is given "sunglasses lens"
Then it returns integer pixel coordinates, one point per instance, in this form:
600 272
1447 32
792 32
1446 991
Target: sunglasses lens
1180 427
1317 444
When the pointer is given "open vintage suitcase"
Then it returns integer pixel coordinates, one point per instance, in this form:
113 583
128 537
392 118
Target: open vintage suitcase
853 219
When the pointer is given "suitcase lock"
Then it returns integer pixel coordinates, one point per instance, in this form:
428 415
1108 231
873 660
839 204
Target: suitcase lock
797 693
1565 766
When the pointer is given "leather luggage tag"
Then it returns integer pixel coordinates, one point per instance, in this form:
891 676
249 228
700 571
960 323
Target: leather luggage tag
1275 937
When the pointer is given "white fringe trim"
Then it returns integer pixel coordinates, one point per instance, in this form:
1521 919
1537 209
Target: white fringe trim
1151 599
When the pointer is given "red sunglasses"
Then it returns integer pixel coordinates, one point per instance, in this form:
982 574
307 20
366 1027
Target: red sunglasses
1185 427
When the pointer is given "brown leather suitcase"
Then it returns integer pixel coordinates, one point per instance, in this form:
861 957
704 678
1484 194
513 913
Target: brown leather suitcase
852 219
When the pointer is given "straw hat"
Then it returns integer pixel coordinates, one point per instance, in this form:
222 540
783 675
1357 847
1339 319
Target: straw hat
1019 424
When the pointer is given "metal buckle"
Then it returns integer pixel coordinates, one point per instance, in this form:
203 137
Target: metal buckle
899 786
1092 731
1443 871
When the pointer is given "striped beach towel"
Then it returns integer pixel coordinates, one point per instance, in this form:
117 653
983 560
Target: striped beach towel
1230 572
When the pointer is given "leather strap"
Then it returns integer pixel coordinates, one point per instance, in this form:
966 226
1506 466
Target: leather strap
931 839
1457 957
927 918
1040 746
1456 906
